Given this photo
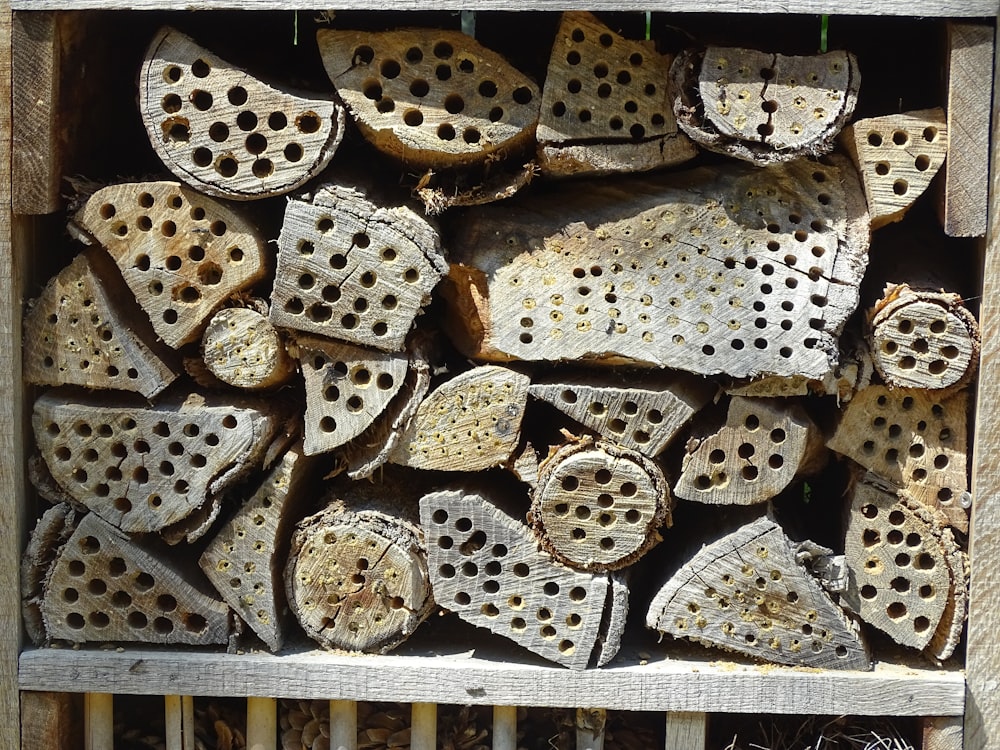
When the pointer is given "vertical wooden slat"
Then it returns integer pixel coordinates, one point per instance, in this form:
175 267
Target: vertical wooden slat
686 730
179 715
51 720
343 725
942 733
262 724
505 728
590 725
423 734
99 721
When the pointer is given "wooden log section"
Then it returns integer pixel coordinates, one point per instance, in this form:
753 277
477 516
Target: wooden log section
949 631
182 254
51 532
762 447
469 423
916 440
764 107
726 269
352 270
430 97
242 348
923 339
598 506
84 329
605 105
347 388
245 560
226 133
144 468
747 593
639 412
486 566
897 156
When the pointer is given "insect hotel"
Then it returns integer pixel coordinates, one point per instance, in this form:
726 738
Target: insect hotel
499 378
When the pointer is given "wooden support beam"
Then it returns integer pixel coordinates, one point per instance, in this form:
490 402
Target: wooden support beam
51 720
343 725
504 728
179 722
686 730
423 732
99 721
262 723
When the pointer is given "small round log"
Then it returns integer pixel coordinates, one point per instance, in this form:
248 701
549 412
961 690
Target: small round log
242 348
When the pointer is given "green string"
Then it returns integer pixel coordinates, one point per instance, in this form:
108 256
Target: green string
823 28
649 25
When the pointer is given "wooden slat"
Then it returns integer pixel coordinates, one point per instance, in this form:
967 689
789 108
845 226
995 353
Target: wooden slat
343 725
262 724
943 733
179 719
590 725
423 729
98 721
51 720
686 731
505 728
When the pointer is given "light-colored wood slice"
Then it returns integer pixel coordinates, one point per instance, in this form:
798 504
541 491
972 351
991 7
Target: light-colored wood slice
104 587
181 253
468 423
914 438
347 388
853 372
761 106
949 631
53 720
352 270
747 593
82 330
598 506
144 468
242 348
524 464
762 447
639 412
727 269
228 134
485 565
245 560
430 97
923 339
606 100
897 156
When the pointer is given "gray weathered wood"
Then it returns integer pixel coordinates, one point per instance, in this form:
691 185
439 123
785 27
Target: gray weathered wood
942 733
241 347
686 730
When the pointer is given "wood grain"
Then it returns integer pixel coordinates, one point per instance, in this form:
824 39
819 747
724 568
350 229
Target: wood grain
51 720
942 733
99 721
504 728
262 723
686 730
343 725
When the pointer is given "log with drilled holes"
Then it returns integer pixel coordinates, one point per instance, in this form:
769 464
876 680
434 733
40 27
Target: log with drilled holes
242 348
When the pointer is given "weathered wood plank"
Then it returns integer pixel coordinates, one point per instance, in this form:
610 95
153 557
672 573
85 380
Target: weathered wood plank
686 730
51 720
504 728
179 721
262 723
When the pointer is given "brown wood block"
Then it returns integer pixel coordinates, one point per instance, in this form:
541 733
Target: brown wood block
51 720
242 348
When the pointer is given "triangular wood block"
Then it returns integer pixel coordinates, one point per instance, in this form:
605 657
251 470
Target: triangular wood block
347 387
226 133
468 423
763 446
747 593
486 566
181 253
103 587
80 331
897 156
913 438
245 561
430 97
643 415
351 270
143 468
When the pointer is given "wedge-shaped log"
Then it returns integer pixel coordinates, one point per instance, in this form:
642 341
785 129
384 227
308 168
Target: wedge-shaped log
718 270
923 338
347 388
949 631
764 107
915 439
352 270
246 558
430 97
45 542
468 423
485 565
897 156
181 253
605 105
242 348
762 447
639 412
747 593
226 133
144 468
85 330
598 506
101 586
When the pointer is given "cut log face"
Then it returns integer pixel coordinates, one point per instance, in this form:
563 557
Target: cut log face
430 97
764 107
897 156
602 87
52 531
949 631
351 270
747 593
182 254
242 348
486 566
469 423
347 388
762 447
752 272
103 587
644 415
80 331
143 468
923 339
597 506
245 561
913 438
223 131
